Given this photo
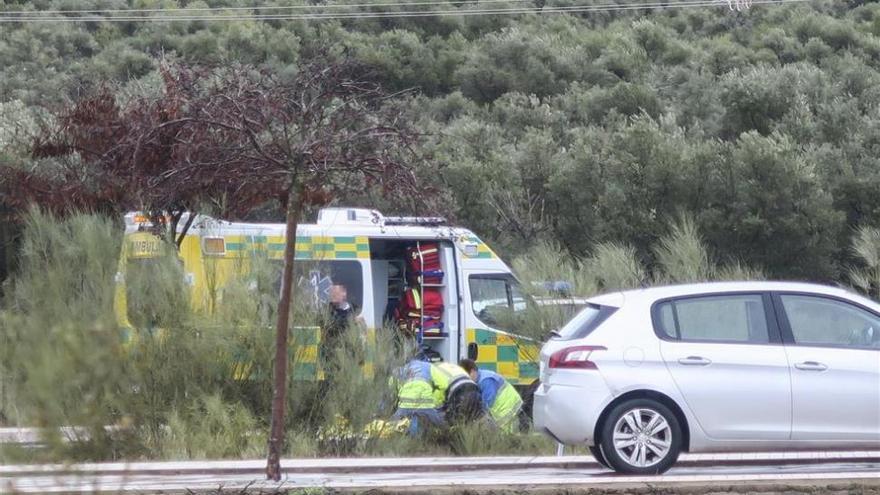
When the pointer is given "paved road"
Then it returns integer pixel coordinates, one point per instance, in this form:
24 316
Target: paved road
428 474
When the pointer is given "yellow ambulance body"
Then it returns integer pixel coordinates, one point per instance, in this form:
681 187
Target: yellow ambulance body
363 250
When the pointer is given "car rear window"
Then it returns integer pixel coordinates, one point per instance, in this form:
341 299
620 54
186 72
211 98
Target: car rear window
585 322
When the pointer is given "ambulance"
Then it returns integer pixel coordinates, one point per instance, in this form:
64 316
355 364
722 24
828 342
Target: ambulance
366 252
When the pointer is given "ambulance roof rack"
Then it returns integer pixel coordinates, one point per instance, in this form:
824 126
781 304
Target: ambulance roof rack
420 221
348 216
363 216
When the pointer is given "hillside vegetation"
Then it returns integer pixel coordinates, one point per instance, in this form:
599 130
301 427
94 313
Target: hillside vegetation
576 129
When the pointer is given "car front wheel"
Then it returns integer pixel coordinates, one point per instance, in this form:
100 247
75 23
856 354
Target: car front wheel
641 436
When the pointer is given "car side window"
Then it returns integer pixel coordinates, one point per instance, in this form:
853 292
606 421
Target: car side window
822 321
667 320
728 318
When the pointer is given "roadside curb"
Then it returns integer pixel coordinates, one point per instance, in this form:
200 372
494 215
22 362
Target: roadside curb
417 465
787 487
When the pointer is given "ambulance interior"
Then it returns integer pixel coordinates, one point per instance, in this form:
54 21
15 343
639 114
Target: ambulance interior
392 276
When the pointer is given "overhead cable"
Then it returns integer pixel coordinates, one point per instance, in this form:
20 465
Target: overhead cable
8 17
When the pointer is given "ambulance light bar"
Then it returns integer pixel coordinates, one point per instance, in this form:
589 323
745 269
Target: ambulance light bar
137 218
363 216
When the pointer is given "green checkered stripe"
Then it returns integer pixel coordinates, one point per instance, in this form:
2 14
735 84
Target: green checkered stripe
303 349
514 359
307 247
302 354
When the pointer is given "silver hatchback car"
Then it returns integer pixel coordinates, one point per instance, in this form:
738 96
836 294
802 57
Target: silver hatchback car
642 375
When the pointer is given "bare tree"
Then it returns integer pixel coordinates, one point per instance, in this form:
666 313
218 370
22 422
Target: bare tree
322 134
237 137
100 155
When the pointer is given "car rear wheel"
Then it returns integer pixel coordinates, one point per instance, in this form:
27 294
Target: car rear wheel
641 436
596 451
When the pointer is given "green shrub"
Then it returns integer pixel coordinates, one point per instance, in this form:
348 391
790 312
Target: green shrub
866 247
616 267
681 255
61 359
483 438
211 427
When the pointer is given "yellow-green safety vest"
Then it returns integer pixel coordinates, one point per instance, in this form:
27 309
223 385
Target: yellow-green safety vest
506 407
445 374
415 390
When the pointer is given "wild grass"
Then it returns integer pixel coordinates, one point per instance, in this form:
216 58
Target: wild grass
681 255
167 387
211 428
866 248
615 267
548 262
482 438
179 384
58 319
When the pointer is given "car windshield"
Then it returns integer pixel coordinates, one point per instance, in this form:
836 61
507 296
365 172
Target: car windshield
585 322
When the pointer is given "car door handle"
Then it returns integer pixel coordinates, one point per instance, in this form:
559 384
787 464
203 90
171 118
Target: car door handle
811 366
695 361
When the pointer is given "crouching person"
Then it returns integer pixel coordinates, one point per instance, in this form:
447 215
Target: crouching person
498 396
458 393
415 397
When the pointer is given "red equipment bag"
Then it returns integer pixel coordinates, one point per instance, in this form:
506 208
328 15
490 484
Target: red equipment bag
423 257
415 304
419 309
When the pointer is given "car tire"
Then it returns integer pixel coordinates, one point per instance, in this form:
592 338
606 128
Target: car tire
641 450
596 451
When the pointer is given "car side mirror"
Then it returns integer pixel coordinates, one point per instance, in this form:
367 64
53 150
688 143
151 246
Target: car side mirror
473 351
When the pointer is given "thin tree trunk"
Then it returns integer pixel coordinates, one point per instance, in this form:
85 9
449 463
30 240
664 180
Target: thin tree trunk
186 227
279 392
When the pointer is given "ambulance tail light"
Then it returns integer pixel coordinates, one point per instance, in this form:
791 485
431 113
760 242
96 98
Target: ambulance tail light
576 357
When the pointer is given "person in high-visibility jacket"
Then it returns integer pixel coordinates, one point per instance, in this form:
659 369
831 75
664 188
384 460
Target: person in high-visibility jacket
457 391
499 397
415 396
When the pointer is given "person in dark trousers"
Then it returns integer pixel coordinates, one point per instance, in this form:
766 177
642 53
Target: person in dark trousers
341 311
339 316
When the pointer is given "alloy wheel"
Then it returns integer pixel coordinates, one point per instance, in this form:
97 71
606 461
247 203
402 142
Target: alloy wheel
642 437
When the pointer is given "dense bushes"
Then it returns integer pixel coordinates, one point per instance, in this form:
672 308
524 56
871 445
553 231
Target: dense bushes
179 383
580 129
